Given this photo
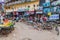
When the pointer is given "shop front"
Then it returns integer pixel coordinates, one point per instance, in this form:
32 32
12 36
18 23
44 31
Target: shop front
21 12
31 15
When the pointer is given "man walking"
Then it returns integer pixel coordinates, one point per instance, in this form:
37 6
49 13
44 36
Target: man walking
57 30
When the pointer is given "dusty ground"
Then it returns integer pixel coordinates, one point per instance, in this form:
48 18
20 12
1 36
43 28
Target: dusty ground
23 31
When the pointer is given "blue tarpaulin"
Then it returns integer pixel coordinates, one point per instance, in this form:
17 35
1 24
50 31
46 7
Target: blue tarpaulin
46 4
26 14
46 10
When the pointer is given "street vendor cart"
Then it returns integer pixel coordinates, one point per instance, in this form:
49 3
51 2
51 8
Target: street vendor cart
6 28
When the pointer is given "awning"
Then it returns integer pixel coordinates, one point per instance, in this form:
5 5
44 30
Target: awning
31 12
39 12
9 10
46 10
55 3
39 8
22 9
26 14
46 4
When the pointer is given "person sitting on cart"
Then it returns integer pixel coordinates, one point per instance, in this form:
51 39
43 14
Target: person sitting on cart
5 20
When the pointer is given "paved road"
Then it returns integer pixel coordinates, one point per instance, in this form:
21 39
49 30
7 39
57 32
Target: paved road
23 31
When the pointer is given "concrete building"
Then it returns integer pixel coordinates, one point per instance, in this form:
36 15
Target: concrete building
14 5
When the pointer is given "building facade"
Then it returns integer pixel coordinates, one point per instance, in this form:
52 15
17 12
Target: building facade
14 5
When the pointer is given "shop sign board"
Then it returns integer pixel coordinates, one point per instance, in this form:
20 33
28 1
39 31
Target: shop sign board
40 7
46 10
26 14
46 4
58 2
54 3
21 9
1 6
55 9
39 12
54 17
58 9
30 12
52 9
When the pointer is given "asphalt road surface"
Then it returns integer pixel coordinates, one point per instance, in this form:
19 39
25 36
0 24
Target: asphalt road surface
27 32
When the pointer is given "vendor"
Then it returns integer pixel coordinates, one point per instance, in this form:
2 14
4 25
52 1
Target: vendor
5 20
1 18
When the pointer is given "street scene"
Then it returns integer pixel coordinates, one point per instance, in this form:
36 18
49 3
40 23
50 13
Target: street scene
26 32
29 19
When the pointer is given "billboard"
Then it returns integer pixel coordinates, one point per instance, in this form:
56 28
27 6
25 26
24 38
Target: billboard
46 10
46 4
54 17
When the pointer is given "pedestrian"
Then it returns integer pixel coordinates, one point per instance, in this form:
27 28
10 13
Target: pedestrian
41 20
35 25
57 30
1 18
14 13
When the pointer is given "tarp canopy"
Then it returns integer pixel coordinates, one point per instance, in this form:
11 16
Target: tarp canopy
46 4
46 10
26 14
55 3
23 9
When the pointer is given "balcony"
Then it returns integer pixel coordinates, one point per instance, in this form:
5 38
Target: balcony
18 2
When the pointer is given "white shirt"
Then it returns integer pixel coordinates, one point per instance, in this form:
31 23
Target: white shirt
1 19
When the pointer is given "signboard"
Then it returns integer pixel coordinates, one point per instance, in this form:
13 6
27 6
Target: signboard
30 12
58 9
1 6
54 3
40 7
54 17
55 9
26 14
52 9
21 9
46 4
27 8
39 12
58 2
46 10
